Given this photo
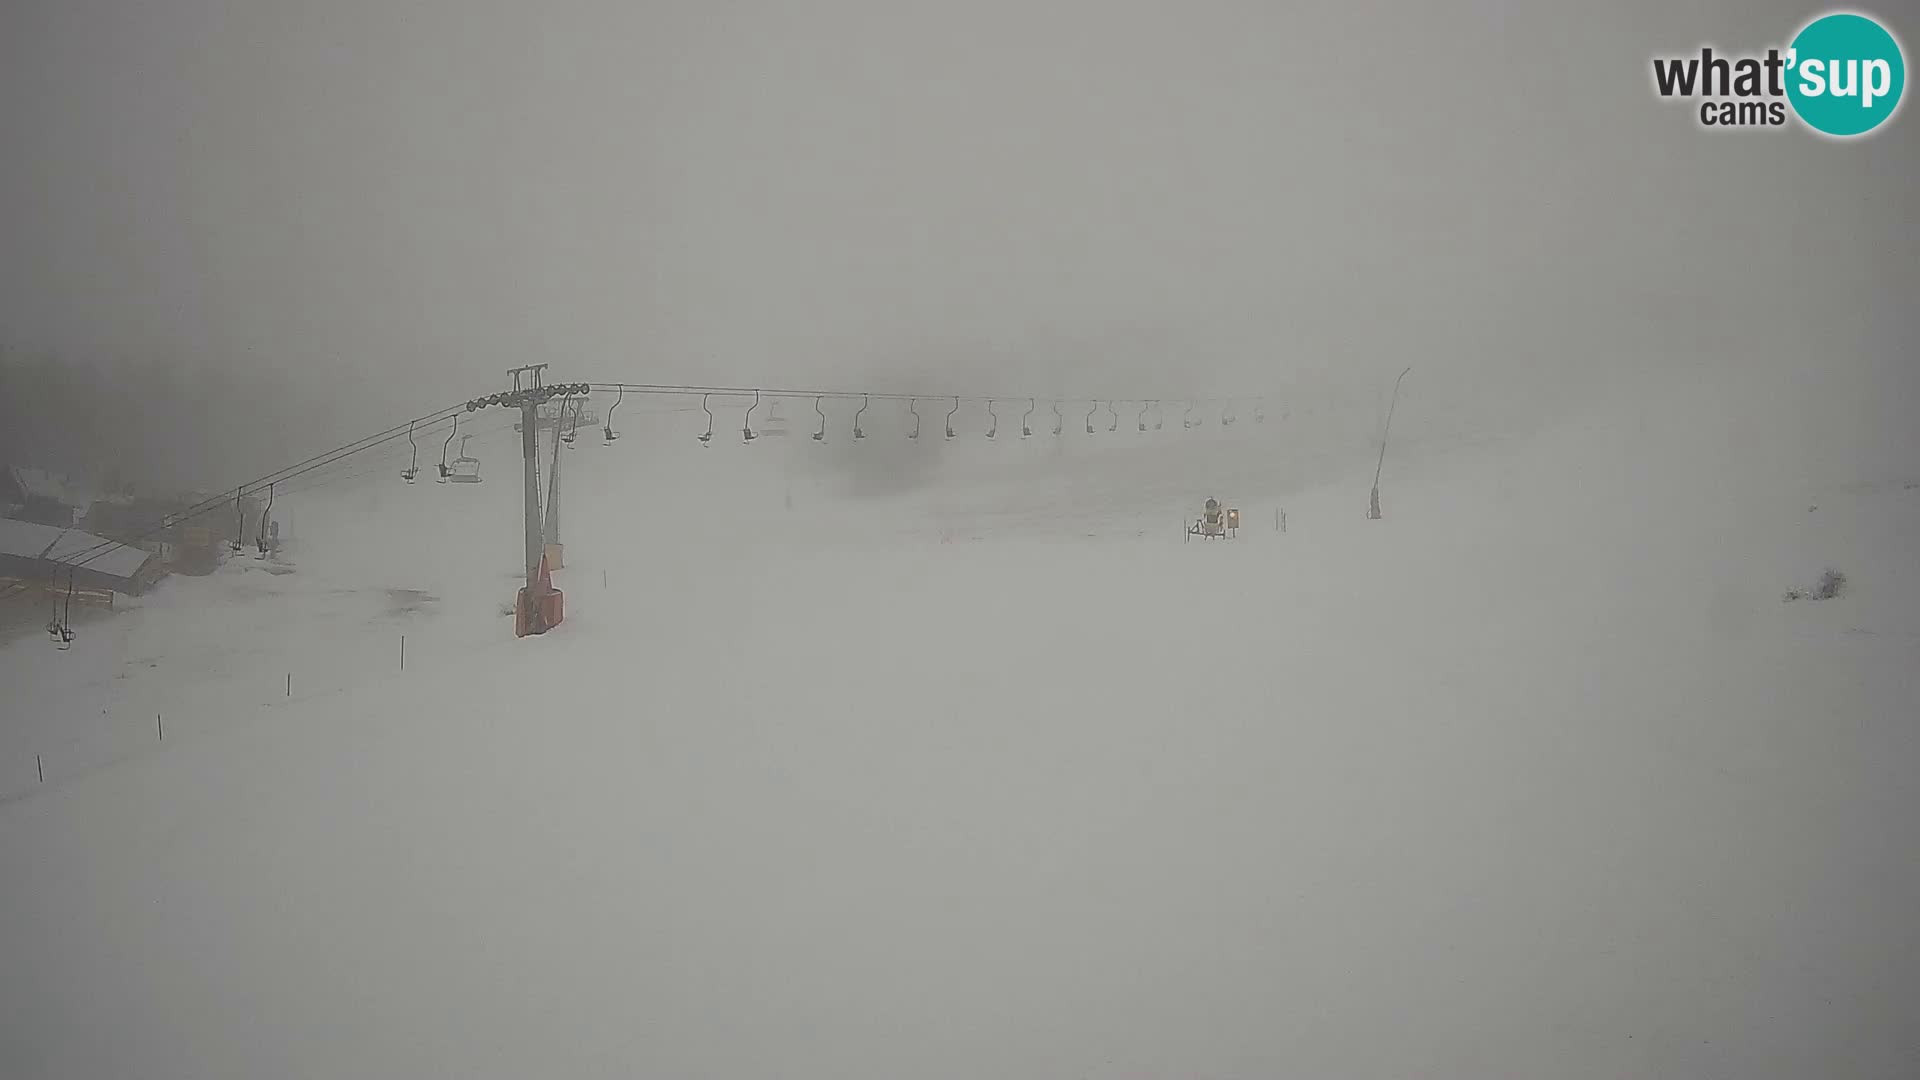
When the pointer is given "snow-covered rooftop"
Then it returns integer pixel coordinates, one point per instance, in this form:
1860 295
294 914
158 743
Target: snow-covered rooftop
27 539
116 559
31 540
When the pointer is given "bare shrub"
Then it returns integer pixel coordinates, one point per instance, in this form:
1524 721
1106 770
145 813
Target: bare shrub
1832 583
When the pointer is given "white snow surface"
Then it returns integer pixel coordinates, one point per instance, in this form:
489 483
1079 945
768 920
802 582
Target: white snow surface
969 765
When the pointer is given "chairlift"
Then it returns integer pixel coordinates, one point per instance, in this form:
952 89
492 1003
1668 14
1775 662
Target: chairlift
995 428
706 438
413 468
1059 421
1095 407
446 472
1260 411
820 436
1113 424
608 431
1142 420
465 468
240 519
857 433
746 427
913 407
1026 430
950 412
1159 416
1226 415
569 432
1186 420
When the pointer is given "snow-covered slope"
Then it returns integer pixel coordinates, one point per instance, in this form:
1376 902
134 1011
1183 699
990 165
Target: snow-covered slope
854 763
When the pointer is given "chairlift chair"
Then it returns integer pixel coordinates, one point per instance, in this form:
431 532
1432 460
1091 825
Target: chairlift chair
413 466
240 520
607 431
446 470
260 534
464 469
60 627
775 425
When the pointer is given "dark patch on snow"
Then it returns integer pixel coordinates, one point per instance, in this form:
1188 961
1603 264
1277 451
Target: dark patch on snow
408 601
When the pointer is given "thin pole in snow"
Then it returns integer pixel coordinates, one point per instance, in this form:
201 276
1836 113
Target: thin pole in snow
1373 509
603 579
158 727
40 769
289 684
403 652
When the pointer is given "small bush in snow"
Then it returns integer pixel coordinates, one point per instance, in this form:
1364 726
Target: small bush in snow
1832 583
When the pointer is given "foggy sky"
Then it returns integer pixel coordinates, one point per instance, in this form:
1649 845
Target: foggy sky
1094 197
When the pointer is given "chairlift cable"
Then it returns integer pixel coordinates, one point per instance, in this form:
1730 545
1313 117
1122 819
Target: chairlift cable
300 468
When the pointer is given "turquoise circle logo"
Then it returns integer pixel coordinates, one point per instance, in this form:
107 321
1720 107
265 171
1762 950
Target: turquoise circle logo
1846 74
